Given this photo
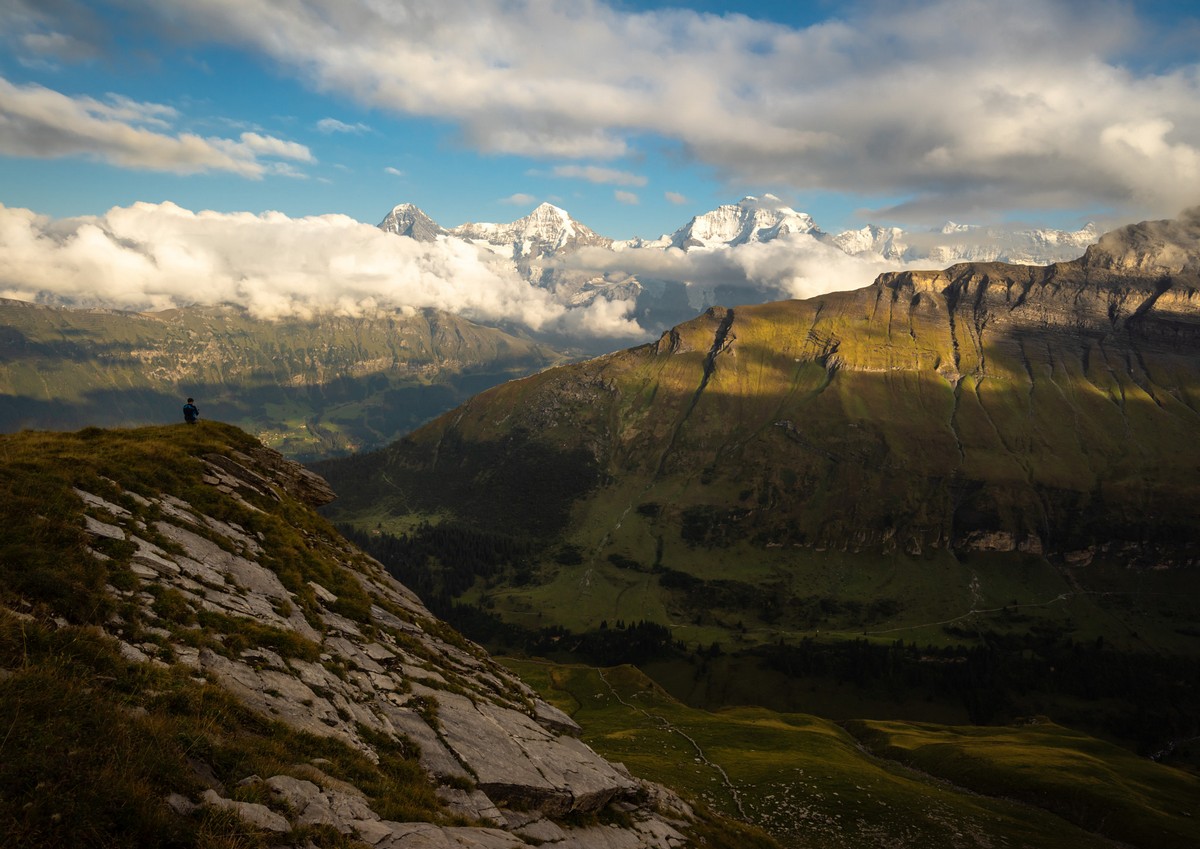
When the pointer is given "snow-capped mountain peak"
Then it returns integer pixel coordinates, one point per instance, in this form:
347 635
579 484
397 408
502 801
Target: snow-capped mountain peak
546 230
749 220
543 248
887 242
407 219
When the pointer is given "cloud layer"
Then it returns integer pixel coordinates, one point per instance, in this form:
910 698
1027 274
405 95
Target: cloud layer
796 266
954 106
39 122
157 256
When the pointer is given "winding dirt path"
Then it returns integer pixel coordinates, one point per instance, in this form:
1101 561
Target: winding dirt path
665 724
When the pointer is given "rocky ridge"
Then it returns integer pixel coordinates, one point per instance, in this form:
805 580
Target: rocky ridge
505 761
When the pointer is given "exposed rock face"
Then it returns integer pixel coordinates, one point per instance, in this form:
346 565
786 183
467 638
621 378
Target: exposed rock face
297 481
507 760
407 220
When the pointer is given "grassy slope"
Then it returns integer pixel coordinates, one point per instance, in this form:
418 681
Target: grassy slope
885 459
92 743
811 784
1091 783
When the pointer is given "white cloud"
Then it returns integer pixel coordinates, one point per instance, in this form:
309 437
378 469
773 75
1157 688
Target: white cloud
395 172
42 123
333 125
675 198
796 266
629 198
891 99
519 199
157 256
596 174
271 146
120 108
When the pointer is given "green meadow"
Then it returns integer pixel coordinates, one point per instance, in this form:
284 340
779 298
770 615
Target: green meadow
811 782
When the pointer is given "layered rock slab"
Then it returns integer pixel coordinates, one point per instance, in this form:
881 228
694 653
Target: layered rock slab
402 674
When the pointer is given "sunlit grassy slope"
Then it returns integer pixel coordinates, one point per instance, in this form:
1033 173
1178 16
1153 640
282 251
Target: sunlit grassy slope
936 448
309 388
811 783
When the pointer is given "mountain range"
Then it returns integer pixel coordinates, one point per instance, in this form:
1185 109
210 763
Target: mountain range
972 373
548 230
997 456
552 250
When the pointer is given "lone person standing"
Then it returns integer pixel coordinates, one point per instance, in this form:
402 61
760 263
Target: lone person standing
190 411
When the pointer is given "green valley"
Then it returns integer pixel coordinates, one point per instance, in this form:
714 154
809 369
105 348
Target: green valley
311 387
969 494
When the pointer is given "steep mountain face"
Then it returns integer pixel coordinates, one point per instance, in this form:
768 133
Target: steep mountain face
407 220
983 454
311 388
887 242
274 682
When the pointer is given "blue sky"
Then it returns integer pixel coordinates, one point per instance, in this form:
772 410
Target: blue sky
633 116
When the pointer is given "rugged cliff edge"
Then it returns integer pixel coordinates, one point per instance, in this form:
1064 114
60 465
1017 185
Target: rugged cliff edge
196 550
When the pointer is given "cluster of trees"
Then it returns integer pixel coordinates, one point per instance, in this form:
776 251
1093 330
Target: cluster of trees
773 603
441 562
996 677
634 643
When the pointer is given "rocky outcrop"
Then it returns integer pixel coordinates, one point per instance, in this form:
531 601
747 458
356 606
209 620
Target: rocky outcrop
506 761
237 470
